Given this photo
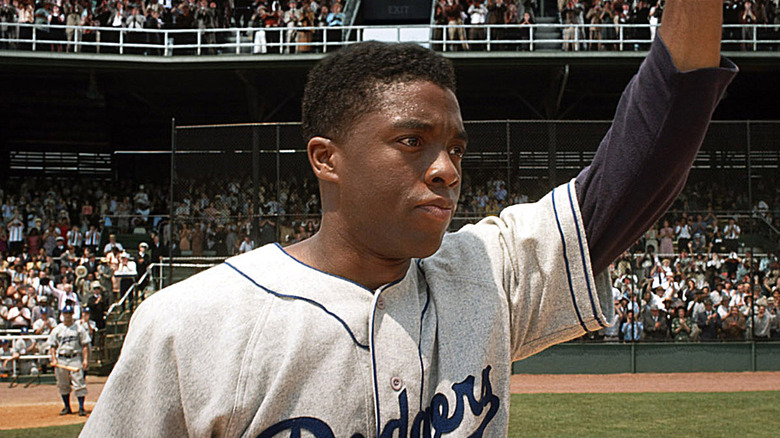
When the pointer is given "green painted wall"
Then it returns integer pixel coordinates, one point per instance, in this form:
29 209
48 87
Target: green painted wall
581 358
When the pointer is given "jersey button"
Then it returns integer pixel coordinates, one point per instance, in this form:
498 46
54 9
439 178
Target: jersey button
380 303
396 383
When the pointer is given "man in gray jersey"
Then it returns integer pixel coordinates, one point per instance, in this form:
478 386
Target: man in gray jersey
382 324
69 349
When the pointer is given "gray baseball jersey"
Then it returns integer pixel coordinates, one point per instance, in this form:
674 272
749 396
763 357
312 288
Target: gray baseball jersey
68 339
265 346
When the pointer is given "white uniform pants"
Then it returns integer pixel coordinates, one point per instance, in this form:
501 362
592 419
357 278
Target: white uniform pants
67 379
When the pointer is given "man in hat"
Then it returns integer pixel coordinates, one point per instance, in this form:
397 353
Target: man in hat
655 325
126 272
69 347
709 322
98 304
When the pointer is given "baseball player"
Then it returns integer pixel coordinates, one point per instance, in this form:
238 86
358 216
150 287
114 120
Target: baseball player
382 324
69 348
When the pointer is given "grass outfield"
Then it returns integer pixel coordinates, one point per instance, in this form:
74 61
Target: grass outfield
727 414
696 414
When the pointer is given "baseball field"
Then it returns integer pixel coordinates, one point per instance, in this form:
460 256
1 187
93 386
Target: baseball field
612 405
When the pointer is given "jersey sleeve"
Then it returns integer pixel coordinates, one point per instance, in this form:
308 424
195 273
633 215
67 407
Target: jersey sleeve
643 161
541 259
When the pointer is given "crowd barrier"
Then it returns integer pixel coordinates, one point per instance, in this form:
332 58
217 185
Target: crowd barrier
260 40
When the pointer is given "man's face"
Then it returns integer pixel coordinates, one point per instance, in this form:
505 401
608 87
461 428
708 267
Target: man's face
399 171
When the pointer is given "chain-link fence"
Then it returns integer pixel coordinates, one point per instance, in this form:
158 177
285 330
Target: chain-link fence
253 182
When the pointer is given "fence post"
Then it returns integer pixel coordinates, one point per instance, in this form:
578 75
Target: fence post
172 210
199 41
325 39
121 42
749 164
76 33
488 38
34 38
755 37
165 43
531 38
620 36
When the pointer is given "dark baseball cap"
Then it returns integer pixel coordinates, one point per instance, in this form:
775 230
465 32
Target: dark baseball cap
67 309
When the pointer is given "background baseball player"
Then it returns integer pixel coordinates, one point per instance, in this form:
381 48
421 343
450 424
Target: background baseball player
69 348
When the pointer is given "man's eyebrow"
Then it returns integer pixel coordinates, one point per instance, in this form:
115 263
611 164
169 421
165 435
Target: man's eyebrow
420 125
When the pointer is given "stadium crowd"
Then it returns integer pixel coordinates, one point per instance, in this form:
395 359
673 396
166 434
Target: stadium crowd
689 278
277 22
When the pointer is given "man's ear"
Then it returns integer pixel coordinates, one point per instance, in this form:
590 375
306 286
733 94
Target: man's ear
322 154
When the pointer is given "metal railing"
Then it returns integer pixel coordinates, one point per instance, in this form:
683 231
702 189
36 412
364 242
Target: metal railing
13 338
258 40
121 303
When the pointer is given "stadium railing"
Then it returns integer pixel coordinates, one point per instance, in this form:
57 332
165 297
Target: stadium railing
12 339
257 40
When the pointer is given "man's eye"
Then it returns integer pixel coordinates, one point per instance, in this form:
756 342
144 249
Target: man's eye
458 151
411 142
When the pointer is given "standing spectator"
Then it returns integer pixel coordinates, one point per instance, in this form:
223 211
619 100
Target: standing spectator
206 19
112 244
632 329
731 233
747 18
734 325
681 326
683 233
75 239
654 324
453 11
477 15
126 272
666 233
760 324
98 304
135 21
15 235
92 239
709 322
525 31
246 245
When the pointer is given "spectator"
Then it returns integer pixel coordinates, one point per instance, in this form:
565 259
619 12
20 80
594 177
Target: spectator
632 330
709 322
19 316
654 324
681 326
478 16
734 325
98 305
759 325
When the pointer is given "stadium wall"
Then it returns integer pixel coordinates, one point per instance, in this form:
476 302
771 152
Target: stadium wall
580 358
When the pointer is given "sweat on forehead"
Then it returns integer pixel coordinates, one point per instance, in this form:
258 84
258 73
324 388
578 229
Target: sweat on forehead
350 82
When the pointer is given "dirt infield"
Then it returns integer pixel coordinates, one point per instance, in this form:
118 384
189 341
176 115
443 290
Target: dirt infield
39 405
650 382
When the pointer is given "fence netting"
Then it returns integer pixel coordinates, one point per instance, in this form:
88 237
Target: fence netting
235 185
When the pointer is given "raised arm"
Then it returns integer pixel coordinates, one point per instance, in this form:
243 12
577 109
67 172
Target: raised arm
643 161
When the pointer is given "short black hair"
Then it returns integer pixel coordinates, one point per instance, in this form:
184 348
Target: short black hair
346 84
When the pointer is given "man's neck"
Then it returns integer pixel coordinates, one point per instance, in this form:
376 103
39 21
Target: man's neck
328 253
